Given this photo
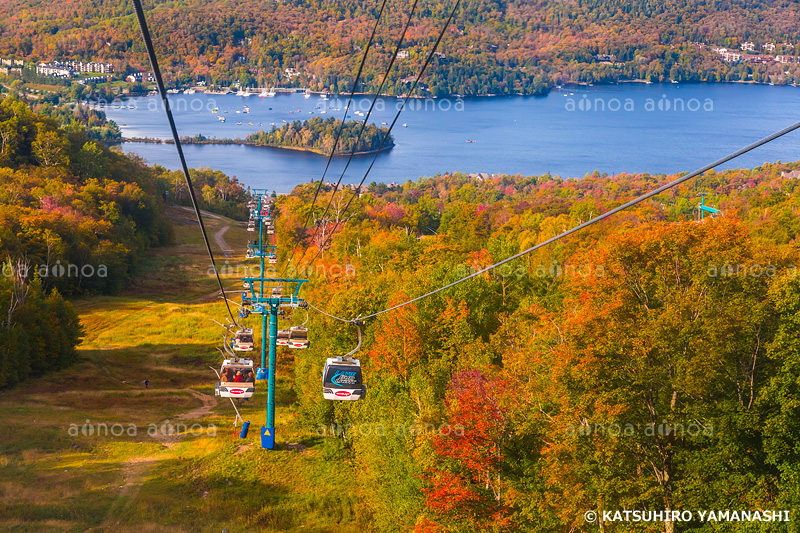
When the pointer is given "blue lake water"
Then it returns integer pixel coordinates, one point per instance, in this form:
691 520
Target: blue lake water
630 127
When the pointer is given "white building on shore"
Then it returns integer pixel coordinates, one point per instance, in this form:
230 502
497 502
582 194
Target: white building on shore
57 69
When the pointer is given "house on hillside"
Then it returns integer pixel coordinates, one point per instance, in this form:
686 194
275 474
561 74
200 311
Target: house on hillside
728 55
792 175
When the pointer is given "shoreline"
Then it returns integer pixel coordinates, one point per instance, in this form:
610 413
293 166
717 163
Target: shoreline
554 88
239 142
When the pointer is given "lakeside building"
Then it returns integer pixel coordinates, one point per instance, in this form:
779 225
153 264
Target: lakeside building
144 77
749 58
80 66
67 69
11 70
56 69
728 55
787 59
95 79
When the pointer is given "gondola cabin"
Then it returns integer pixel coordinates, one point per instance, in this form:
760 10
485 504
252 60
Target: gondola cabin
272 259
243 340
251 226
298 337
270 230
237 379
283 337
342 380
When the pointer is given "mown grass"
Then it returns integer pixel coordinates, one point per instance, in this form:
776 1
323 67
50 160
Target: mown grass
55 475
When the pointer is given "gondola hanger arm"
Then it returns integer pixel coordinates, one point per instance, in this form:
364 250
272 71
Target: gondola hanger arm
358 326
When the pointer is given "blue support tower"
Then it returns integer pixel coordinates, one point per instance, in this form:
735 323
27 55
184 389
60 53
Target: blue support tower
269 305
703 208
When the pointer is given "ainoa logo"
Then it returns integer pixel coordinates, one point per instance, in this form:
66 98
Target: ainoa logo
237 391
342 393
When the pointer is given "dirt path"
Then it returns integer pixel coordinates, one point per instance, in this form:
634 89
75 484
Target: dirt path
223 246
136 470
227 252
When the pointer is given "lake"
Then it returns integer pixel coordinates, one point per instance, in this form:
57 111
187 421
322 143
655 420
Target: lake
630 127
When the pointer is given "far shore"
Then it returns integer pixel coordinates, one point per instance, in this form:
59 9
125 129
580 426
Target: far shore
290 90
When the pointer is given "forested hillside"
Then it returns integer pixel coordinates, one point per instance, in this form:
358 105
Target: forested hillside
649 362
70 207
494 46
76 218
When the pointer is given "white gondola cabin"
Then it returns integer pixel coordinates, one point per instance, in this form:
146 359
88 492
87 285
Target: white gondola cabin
283 337
298 337
237 379
342 380
243 340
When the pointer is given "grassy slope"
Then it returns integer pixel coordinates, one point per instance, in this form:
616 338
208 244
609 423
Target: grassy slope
160 330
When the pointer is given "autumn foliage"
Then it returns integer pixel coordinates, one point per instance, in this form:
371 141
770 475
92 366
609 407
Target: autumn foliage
647 362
